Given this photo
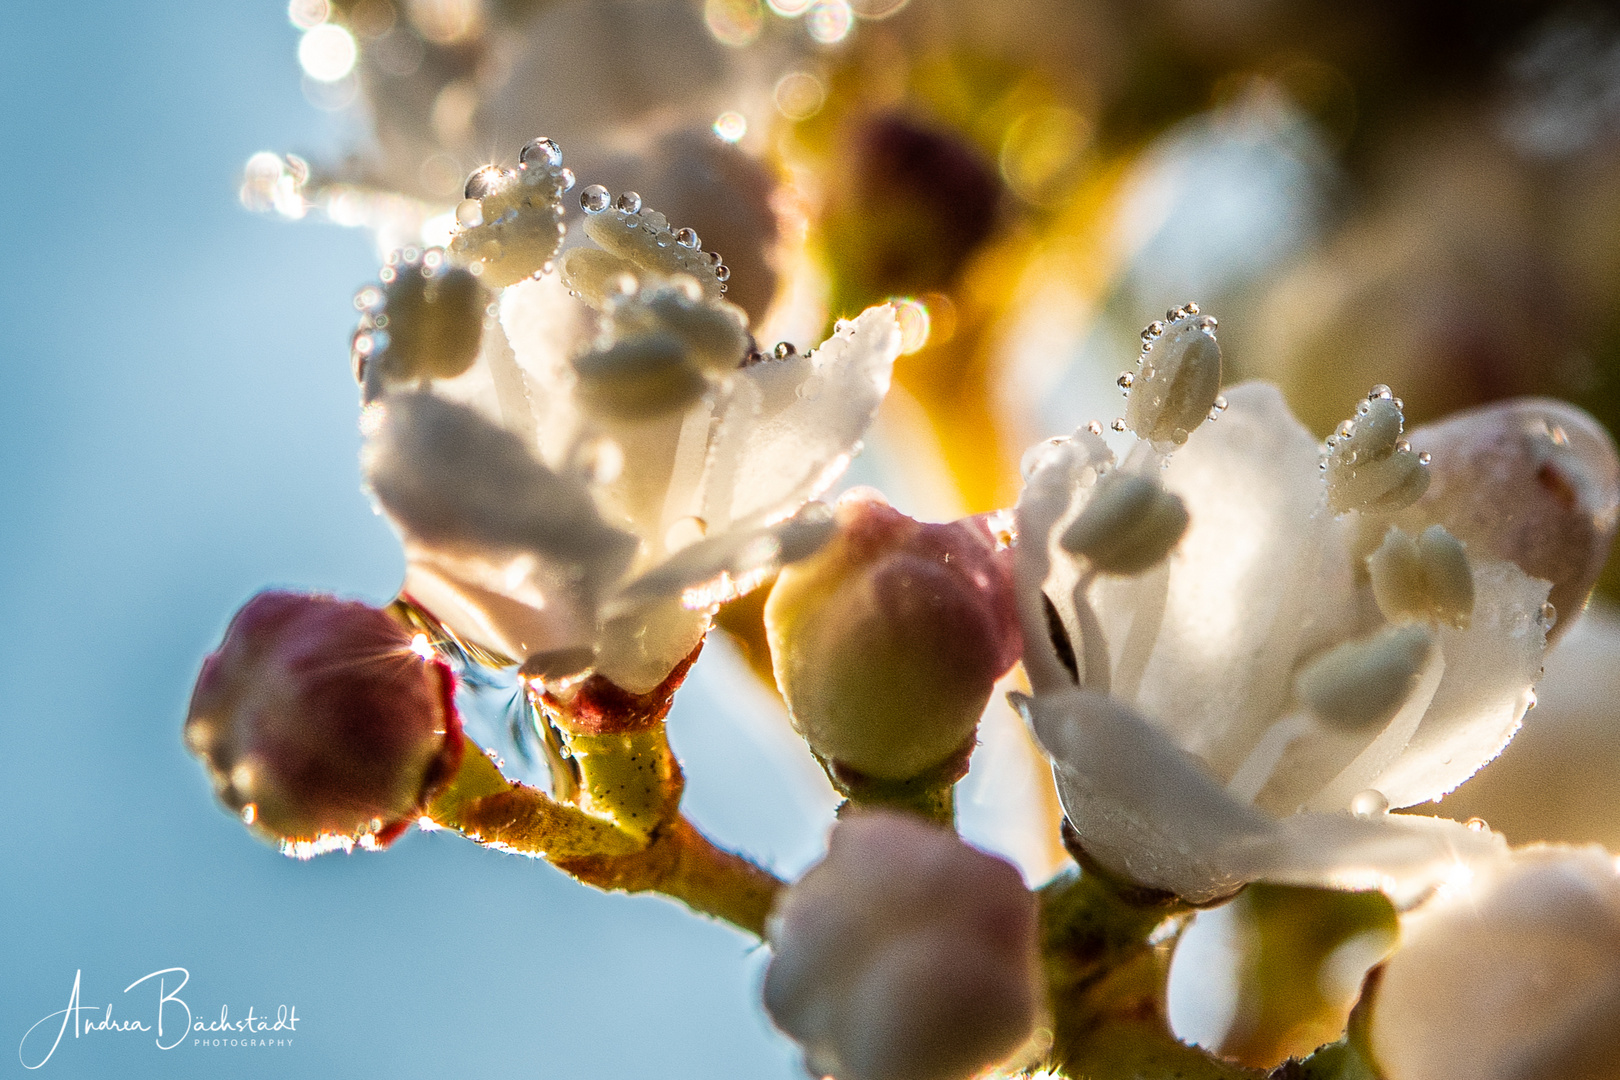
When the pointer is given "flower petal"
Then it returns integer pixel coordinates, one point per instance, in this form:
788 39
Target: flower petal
809 428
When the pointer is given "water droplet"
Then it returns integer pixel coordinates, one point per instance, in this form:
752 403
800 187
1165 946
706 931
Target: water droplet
1549 615
1476 824
594 199
1154 329
1125 380
470 213
567 178
541 151
368 298
1173 314
628 203
688 238
250 813
1402 446
1094 427
1399 404
1379 393
785 349
1529 700
1220 403
1369 803
1118 424
1190 308
713 257
1346 429
1208 323
1424 458
484 182
722 273
1363 409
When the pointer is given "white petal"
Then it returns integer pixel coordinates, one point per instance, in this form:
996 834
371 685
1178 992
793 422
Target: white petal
483 520
1261 580
1143 807
1490 669
804 439
546 327
637 651
1055 476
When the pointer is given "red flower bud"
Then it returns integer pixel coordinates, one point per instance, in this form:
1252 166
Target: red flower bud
888 641
322 722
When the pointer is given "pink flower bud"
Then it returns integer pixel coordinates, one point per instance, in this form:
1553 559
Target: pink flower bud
323 723
904 955
888 641
1532 481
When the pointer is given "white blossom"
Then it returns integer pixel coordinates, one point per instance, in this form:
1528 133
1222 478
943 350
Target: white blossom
1243 709
603 476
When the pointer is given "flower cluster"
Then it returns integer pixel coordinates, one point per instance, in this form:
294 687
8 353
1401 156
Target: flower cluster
1244 648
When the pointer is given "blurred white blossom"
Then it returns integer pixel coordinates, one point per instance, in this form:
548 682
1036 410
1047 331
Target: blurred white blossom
1516 975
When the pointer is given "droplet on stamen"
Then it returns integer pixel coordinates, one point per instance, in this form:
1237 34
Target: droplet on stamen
594 199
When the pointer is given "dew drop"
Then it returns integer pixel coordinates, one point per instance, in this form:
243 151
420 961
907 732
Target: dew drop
567 178
785 349
1529 700
1118 424
688 238
1154 329
484 182
1125 380
1369 803
1094 427
1476 824
368 298
1220 403
722 273
250 813
1190 308
541 151
594 199
1549 615
470 213
1379 393
713 257
628 203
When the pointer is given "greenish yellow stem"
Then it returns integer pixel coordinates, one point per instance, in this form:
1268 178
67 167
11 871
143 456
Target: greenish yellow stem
672 857
1106 973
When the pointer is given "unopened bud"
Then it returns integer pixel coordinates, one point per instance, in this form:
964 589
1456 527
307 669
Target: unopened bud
1533 481
322 722
1130 524
888 641
1363 682
904 955
1178 380
1426 578
1369 466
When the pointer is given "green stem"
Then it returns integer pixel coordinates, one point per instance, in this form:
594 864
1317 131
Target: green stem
1106 971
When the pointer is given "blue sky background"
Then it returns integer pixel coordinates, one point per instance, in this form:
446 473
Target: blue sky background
177 430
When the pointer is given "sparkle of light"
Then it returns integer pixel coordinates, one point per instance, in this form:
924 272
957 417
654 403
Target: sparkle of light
731 126
327 52
306 14
734 22
912 315
421 646
799 95
828 21
790 8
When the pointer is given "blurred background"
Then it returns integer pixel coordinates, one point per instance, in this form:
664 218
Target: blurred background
1422 193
